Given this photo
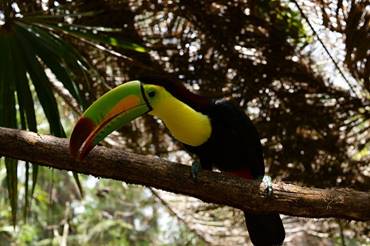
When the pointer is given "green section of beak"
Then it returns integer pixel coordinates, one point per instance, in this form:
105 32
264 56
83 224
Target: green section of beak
120 120
114 109
101 107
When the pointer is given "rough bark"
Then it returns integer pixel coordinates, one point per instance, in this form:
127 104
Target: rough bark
210 187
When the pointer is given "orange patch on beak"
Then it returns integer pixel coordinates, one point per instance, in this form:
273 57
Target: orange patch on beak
122 106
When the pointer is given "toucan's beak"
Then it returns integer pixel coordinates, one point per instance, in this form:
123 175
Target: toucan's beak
114 109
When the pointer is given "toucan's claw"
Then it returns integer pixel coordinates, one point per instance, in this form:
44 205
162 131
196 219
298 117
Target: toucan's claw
195 169
267 181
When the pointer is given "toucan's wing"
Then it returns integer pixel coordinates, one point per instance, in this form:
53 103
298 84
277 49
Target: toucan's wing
239 137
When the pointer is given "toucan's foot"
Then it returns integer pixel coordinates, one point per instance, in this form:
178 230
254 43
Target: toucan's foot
195 169
267 181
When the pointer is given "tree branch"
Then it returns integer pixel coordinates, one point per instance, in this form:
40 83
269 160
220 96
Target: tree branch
211 186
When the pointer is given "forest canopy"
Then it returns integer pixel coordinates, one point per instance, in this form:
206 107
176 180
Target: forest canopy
299 69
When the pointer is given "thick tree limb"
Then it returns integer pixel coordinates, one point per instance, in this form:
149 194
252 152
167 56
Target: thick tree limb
210 187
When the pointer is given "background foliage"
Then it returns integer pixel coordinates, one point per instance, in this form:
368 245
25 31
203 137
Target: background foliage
312 112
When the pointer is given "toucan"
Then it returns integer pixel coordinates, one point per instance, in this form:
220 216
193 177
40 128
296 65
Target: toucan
217 131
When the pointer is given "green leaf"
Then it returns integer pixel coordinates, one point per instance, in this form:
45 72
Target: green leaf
78 182
55 53
93 29
3 62
35 170
9 117
26 193
42 85
53 61
20 78
12 181
24 94
41 17
26 107
93 34
78 66
34 49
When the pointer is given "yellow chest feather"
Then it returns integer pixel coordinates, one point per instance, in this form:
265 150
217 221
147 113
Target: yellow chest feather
185 124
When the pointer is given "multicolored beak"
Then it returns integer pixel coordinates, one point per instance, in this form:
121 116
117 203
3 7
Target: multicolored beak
114 109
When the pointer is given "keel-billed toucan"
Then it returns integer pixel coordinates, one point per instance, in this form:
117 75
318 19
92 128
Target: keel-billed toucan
217 131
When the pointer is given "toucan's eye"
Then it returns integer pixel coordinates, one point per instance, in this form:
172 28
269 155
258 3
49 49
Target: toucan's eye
151 93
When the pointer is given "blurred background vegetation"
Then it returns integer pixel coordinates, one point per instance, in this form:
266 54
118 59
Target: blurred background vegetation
311 107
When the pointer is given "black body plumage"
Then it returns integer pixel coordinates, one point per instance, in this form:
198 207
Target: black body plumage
234 143
234 146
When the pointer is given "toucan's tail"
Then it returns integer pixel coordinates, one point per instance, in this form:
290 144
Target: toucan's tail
265 229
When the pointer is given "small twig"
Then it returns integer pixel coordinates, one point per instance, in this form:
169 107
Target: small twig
66 96
326 49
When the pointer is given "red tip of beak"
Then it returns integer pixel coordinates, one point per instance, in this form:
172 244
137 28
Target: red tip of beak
81 131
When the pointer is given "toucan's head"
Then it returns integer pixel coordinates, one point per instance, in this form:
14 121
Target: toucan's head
118 107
